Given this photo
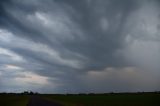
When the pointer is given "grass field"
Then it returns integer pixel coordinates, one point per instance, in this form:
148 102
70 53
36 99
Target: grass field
147 99
13 100
136 99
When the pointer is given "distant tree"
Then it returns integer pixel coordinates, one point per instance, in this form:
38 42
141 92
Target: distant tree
25 92
31 93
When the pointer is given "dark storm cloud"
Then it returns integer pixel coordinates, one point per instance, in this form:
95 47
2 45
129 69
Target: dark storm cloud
68 44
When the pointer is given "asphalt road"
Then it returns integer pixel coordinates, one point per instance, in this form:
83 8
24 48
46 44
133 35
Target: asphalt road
38 101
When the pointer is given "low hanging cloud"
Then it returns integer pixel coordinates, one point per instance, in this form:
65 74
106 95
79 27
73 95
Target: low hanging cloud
142 40
127 79
59 46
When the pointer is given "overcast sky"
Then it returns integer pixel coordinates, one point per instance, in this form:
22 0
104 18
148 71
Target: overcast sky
79 46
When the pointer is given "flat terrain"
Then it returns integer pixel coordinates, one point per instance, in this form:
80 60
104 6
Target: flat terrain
125 99
13 100
38 101
143 99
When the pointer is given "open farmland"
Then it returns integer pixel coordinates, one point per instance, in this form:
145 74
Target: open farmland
13 100
140 99
113 99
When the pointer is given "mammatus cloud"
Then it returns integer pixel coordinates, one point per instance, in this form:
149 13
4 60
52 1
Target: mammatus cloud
86 46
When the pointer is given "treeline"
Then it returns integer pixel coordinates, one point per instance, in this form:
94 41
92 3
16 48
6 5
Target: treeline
36 93
22 93
111 93
155 92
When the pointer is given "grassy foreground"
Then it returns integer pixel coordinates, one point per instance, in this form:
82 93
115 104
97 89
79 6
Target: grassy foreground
115 99
140 99
13 100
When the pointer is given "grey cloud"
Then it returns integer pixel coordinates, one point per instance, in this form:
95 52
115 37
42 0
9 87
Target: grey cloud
64 40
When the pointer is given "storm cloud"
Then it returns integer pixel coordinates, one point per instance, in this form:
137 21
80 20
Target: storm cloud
68 46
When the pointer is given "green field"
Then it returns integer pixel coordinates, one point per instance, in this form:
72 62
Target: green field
147 99
13 100
139 99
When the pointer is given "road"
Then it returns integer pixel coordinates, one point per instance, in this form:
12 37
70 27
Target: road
38 101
